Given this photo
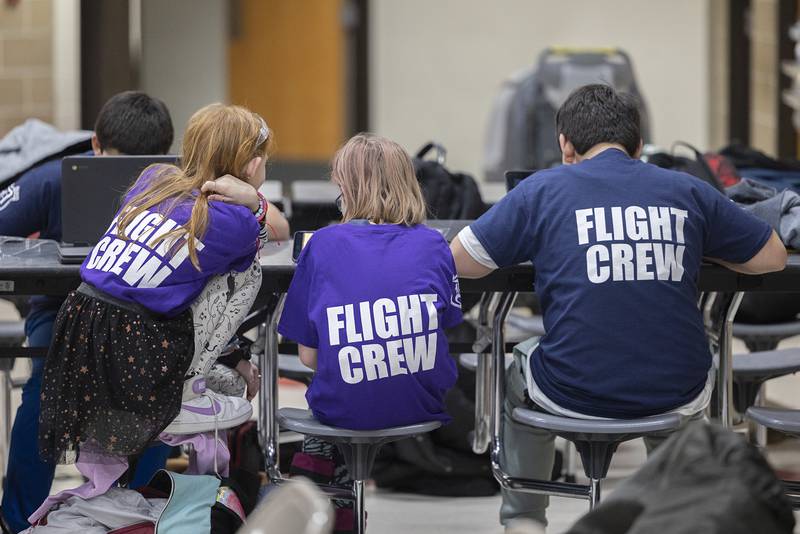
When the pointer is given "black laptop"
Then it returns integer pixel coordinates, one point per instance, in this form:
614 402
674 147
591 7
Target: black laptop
513 178
91 191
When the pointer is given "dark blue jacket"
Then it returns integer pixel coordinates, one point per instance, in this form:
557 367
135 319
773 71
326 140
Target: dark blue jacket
33 204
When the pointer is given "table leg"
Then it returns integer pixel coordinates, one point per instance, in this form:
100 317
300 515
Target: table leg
268 399
268 430
543 487
504 303
725 364
483 376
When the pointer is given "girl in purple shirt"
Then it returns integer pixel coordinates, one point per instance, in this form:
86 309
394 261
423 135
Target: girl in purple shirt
369 303
124 340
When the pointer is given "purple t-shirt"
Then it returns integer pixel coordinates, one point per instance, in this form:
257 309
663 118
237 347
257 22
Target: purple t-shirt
161 276
375 300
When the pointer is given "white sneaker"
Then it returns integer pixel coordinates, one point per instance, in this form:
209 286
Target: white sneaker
203 410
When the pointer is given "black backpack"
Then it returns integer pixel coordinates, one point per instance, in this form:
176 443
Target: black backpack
448 195
696 166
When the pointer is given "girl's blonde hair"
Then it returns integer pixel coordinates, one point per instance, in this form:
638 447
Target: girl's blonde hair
377 181
219 139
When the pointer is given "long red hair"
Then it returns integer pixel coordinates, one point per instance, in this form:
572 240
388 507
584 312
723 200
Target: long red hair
220 139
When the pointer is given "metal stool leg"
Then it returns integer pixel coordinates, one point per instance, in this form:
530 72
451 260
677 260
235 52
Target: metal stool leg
359 510
570 457
594 493
757 433
7 386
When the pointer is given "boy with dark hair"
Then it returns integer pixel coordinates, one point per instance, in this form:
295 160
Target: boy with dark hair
616 246
130 123
133 123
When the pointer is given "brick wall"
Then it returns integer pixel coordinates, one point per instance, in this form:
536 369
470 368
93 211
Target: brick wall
25 62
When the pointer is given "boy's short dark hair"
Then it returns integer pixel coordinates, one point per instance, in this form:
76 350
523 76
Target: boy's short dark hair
595 114
134 123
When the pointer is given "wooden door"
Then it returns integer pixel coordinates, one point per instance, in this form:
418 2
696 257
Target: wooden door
287 62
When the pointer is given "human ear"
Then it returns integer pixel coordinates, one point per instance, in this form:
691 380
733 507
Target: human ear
638 153
568 155
252 168
96 148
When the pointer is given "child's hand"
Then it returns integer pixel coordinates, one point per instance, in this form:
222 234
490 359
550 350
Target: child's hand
233 191
250 373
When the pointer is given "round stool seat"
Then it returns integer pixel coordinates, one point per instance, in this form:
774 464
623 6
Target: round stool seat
596 440
787 421
765 337
595 429
12 332
777 329
769 363
303 422
358 447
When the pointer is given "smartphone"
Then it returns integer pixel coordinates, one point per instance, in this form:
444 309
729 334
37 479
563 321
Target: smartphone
300 240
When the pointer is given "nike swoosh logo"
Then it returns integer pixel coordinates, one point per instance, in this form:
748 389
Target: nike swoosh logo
211 410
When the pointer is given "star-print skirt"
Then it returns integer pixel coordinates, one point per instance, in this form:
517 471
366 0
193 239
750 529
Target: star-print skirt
113 378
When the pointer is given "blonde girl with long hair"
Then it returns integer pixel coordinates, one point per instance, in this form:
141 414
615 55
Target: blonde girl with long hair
371 298
125 338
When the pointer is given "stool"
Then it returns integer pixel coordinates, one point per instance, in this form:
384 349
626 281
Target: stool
764 337
751 370
595 440
470 361
788 422
358 447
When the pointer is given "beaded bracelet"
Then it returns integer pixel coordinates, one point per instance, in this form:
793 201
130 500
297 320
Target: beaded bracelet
261 213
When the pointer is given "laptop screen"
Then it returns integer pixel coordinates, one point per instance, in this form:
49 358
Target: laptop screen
513 178
91 190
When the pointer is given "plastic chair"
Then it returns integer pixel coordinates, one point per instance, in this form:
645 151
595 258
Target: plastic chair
297 507
358 447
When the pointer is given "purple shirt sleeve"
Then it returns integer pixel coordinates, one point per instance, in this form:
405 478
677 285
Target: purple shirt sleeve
452 315
296 323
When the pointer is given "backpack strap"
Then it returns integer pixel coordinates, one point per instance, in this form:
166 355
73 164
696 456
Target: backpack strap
701 160
441 152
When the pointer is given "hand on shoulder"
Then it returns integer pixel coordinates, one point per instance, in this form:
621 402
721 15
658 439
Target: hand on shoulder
231 190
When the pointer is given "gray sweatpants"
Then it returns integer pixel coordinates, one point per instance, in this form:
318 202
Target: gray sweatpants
529 452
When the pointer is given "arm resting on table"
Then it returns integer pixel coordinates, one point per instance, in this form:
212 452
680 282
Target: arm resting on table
278 225
771 258
466 266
